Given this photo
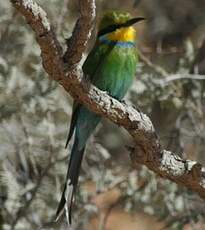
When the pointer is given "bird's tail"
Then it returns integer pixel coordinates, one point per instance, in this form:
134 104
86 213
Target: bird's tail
70 186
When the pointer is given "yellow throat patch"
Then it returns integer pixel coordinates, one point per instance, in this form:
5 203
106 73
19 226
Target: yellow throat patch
124 34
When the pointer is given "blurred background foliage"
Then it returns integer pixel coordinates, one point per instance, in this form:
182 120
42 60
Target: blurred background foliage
35 114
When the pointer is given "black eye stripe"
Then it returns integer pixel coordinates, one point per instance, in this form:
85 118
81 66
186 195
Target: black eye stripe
109 29
112 28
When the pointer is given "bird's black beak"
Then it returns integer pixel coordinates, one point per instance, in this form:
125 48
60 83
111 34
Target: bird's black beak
133 21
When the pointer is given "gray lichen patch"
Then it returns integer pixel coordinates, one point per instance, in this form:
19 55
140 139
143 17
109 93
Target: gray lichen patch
171 164
37 12
142 119
190 164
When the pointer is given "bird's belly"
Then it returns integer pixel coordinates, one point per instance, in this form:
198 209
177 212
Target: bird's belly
116 73
119 87
116 83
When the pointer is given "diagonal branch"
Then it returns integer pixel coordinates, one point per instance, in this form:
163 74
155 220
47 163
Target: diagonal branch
147 149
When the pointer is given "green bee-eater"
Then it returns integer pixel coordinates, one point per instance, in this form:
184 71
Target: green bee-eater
111 66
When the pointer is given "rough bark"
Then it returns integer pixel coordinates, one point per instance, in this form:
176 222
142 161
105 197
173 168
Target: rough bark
147 149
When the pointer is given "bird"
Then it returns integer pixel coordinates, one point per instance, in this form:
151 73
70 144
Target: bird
110 66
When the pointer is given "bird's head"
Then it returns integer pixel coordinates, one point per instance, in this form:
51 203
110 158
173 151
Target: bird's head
118 26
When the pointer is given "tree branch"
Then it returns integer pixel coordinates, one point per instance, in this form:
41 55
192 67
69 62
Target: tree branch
77 44
147 149
175 77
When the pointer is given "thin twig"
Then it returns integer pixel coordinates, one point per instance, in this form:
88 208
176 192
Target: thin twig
178 77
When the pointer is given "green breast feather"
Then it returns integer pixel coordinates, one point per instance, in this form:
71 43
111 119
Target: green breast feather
111 68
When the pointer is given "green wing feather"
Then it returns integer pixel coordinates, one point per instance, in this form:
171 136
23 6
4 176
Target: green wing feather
90 67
